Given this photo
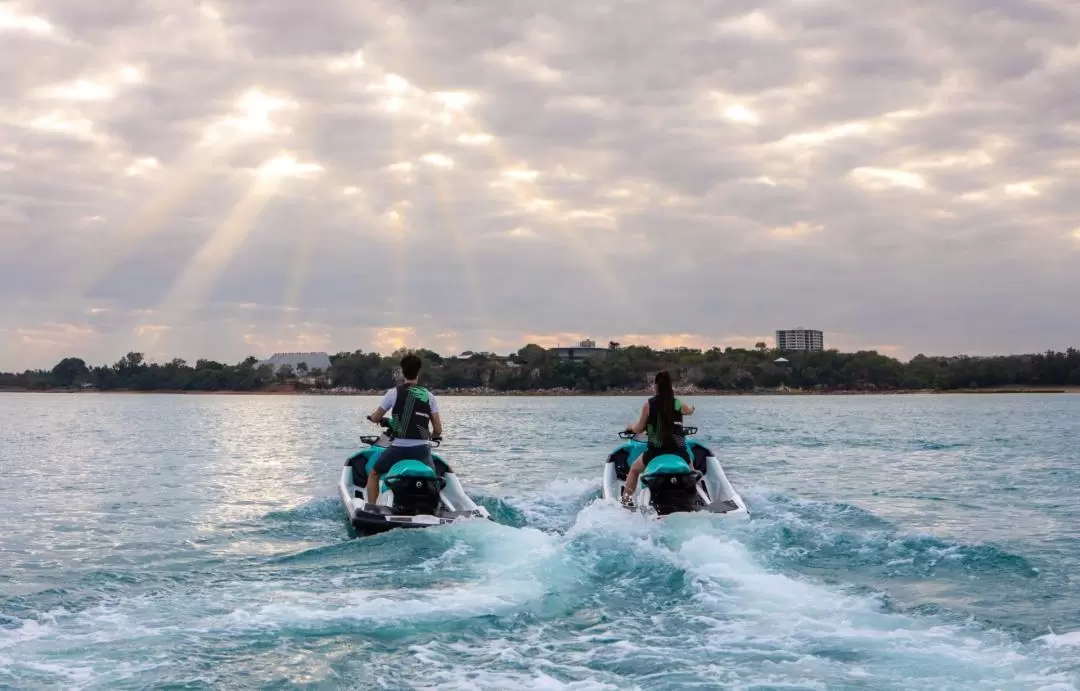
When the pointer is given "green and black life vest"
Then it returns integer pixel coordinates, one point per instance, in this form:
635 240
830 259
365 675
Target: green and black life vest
656 435
411 416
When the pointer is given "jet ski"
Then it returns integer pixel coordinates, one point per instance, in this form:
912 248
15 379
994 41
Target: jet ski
411 494
669 485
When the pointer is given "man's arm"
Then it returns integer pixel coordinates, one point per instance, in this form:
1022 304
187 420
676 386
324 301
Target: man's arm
436 420
686 408
385 406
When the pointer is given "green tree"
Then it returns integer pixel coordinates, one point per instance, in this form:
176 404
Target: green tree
70 371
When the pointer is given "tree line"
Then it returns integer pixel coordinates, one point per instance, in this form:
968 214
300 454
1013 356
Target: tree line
534 368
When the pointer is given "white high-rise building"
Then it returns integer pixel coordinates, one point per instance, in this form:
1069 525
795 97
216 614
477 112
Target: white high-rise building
799 339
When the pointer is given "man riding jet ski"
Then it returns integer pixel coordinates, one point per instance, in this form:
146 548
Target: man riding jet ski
398 481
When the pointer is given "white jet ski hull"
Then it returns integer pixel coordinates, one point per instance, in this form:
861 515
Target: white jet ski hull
368 519
715 492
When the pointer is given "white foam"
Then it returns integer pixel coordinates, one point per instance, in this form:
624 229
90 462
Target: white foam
796 630
441 663
1061 640
509 573
29 630
798 615
460 551
554 504
506 681
738 623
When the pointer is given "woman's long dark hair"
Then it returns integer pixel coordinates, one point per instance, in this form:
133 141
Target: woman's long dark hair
665 403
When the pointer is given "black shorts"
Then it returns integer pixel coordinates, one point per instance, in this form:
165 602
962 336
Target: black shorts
651 453
421 452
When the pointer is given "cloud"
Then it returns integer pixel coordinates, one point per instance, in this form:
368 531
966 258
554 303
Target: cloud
268 176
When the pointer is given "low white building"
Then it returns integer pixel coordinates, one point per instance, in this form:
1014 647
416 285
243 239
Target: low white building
314 361
587 348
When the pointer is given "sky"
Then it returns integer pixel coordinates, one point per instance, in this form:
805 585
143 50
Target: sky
241 178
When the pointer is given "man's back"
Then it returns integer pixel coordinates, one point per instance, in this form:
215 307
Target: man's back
406 413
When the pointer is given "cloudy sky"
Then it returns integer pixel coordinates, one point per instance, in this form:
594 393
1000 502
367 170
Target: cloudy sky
243 177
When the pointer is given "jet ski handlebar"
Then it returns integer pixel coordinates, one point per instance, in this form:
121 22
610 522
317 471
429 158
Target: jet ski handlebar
385 424
686 432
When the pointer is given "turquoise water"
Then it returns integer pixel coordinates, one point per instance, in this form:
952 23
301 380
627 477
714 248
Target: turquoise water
906 542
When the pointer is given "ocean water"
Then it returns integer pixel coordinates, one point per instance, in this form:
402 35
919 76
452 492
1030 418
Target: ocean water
187 542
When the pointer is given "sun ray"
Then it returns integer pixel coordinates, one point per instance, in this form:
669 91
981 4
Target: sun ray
298 273
398 303
525 190
397 221
356 199
195 167
451 109
178 187
522 185
205 266
472 279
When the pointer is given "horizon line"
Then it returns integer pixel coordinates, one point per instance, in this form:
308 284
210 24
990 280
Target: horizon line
673 349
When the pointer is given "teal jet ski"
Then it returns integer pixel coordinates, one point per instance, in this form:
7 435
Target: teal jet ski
412 494
669 484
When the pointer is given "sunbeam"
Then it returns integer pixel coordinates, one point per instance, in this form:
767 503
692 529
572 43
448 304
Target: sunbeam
197 164
472 279
197 278
450 108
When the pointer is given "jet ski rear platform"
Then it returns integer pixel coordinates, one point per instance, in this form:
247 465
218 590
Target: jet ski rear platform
411 496
669 485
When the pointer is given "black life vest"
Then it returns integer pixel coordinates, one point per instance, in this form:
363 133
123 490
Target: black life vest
659 438
411 414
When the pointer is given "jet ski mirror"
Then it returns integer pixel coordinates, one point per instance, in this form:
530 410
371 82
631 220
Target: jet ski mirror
689 431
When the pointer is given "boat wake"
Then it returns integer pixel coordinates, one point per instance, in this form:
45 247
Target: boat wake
561 590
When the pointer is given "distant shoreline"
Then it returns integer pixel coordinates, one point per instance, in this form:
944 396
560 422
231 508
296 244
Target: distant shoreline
536 371
466 393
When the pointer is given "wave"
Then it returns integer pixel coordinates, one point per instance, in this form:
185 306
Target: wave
842 535
583 595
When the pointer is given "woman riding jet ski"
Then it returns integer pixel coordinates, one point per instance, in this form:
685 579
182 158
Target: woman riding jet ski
676 474
411 495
